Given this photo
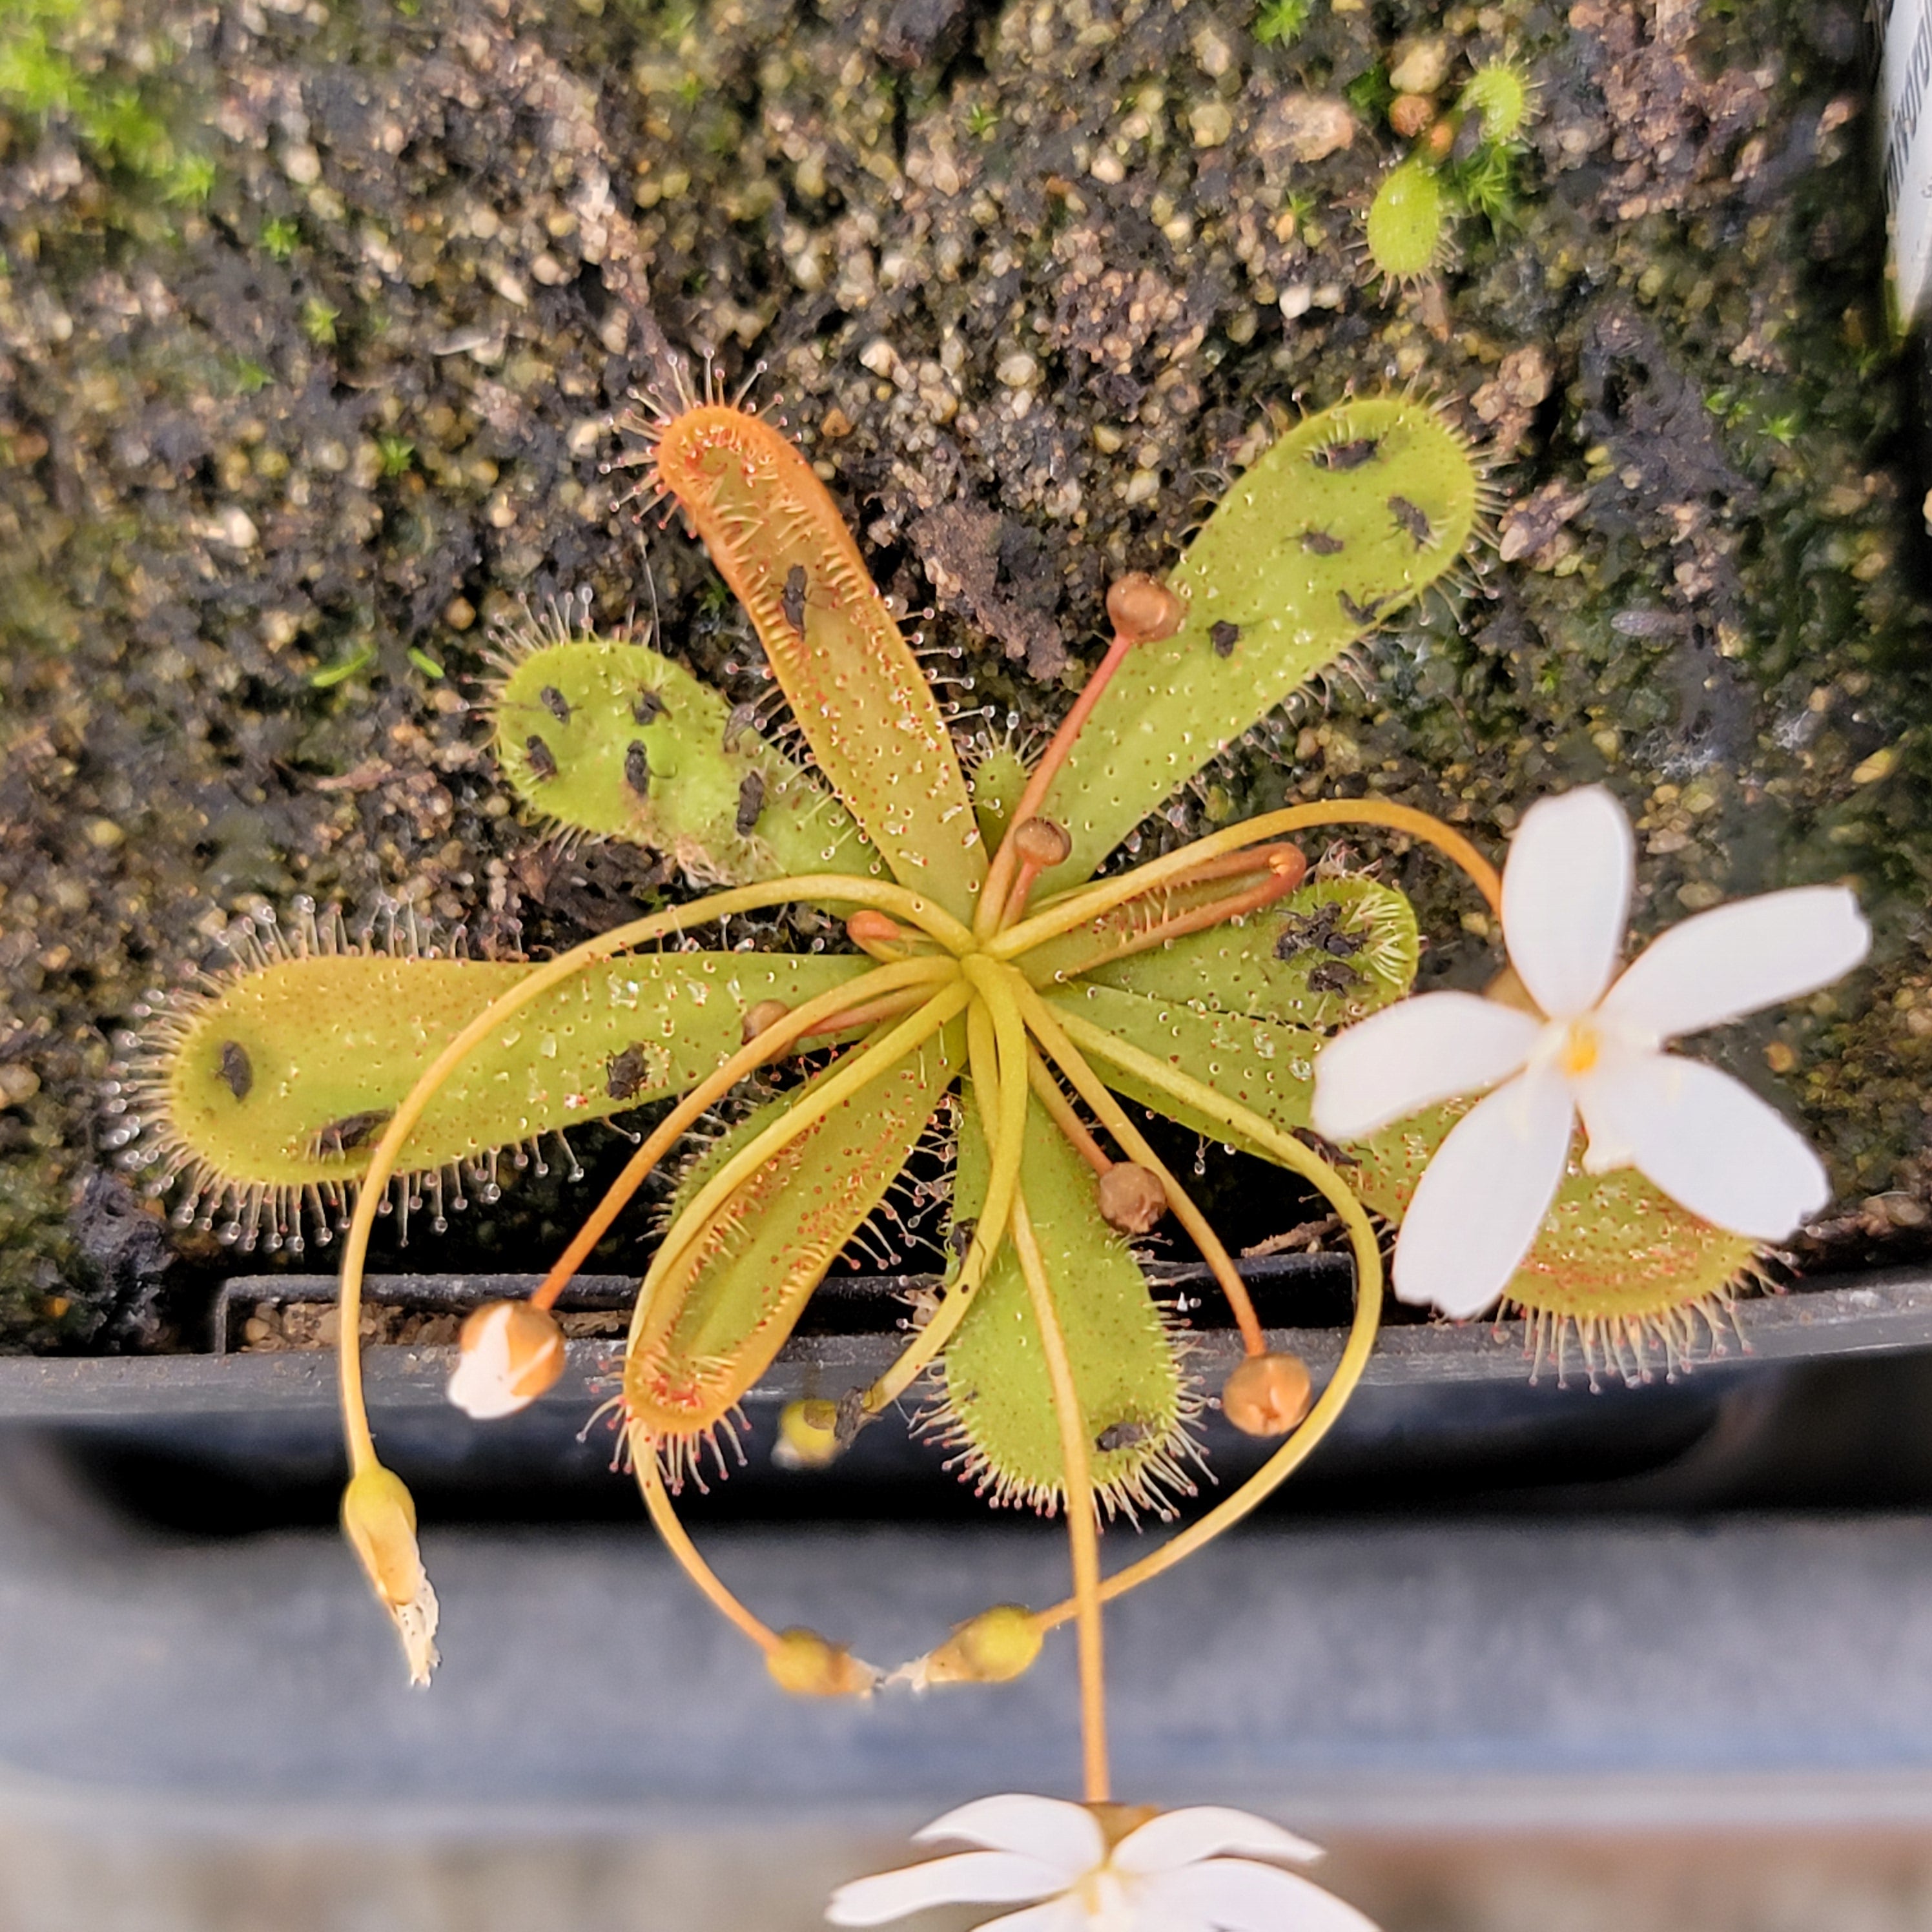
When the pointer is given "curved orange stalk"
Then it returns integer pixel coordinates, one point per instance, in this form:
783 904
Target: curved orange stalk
1091 901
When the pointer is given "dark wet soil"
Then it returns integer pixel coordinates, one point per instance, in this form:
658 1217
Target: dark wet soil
313 322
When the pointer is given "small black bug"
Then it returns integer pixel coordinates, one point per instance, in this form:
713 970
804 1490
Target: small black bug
624 1073
793 599
1420 532
1225 636
1360 613
1322 543
556 703
1332 976
236 1073
542 764
647 707
751 803
637 768
352 1131
1121 1435
1347 455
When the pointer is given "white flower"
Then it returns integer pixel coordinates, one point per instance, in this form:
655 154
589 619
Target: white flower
1593 1048
1169 1874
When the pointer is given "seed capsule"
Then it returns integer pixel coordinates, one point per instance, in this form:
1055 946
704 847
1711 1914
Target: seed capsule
993 1648
1143 609
1131 1198
1268 1395
1040 842
809 1666
766 1013
808 1435
510 1352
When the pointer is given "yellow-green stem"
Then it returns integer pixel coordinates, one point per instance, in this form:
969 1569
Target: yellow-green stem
677 1540
1083 1534
994 1035
1355 1352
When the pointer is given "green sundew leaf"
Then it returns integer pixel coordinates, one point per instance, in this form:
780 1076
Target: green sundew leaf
613 738
1612 1249
1298 961
1126 1364
1351 516
287 1074
725 1308
1267 1067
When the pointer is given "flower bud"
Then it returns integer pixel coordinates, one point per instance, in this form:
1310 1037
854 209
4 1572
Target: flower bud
379 1517
1268 1395
1040 842
809 1666
766 1013
993 1648
511 1352
1131 1198
876 933
1143 609
808 1435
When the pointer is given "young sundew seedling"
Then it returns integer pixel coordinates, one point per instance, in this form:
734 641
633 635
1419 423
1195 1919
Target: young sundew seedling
999 993
1406 229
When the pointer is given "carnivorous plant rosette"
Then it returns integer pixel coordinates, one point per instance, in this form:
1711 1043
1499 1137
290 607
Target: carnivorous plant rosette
1003 984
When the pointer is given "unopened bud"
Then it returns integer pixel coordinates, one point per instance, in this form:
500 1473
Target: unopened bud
1143 609
1131 1198
809 1666
379 1517
510 1353
1040 842
808 1435
874 931
1439 140
993 1648
766 1013
1268 1395
1410 113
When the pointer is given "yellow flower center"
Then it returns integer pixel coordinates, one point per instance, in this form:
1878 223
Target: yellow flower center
1581 1046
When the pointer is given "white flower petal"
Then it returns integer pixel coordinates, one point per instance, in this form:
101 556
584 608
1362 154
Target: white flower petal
1057 1915
1412 1054
1178 1838
1234 1895
1707 1140
1066 1837
968 1878
1738 958
1566 896
1481 1200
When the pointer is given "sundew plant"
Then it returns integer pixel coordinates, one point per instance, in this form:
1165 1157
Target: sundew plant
1013 990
